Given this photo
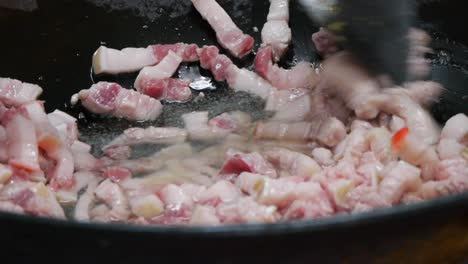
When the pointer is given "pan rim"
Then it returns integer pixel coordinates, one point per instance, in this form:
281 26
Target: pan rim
249 230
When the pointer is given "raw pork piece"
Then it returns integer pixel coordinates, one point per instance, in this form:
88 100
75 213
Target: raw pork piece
289 105
246 210
111 99
33 198
300 76
156 81
330 132
48 139
65 124
228 34
149 135
398 179
276 32
210 59
112 61
16 93
200 128
114 197
237 162
292 163
454 138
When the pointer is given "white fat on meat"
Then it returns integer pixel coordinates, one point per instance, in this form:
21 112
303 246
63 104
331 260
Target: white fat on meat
396 124
454 138
164 69
414 150
15 93
221 192
22 142
150 135
82 157
289 105
278 35
114 197
200 127
323 156
204 215
176 201
48 139
5 174
248 81
237 162
111 99
398 179
85 201
292 163
65 124
3 145
352 83
228 34
246 210
397 102
329 132
148 206
302 75
112 61
33 198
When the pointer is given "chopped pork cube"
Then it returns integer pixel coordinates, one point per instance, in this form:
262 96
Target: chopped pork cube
454 137
399 178
147 206
292 163
203 215
246 210
220 192
33 198
16 93
114 197
238 162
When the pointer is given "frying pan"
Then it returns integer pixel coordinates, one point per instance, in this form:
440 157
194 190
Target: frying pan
52 46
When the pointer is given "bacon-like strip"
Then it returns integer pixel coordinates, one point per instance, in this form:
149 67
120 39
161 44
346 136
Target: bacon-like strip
164 69
329 132
152 135
156 81
112 61
228 34
16 93
300 76
276 32
111 99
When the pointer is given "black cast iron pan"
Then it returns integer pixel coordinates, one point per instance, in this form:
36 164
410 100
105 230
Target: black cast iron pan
52 46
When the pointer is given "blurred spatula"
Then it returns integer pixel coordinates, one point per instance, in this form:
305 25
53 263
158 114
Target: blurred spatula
374 30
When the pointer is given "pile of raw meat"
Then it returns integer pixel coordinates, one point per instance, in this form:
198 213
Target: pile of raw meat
337 141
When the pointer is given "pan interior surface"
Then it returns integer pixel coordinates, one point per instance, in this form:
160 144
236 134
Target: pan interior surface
56 54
